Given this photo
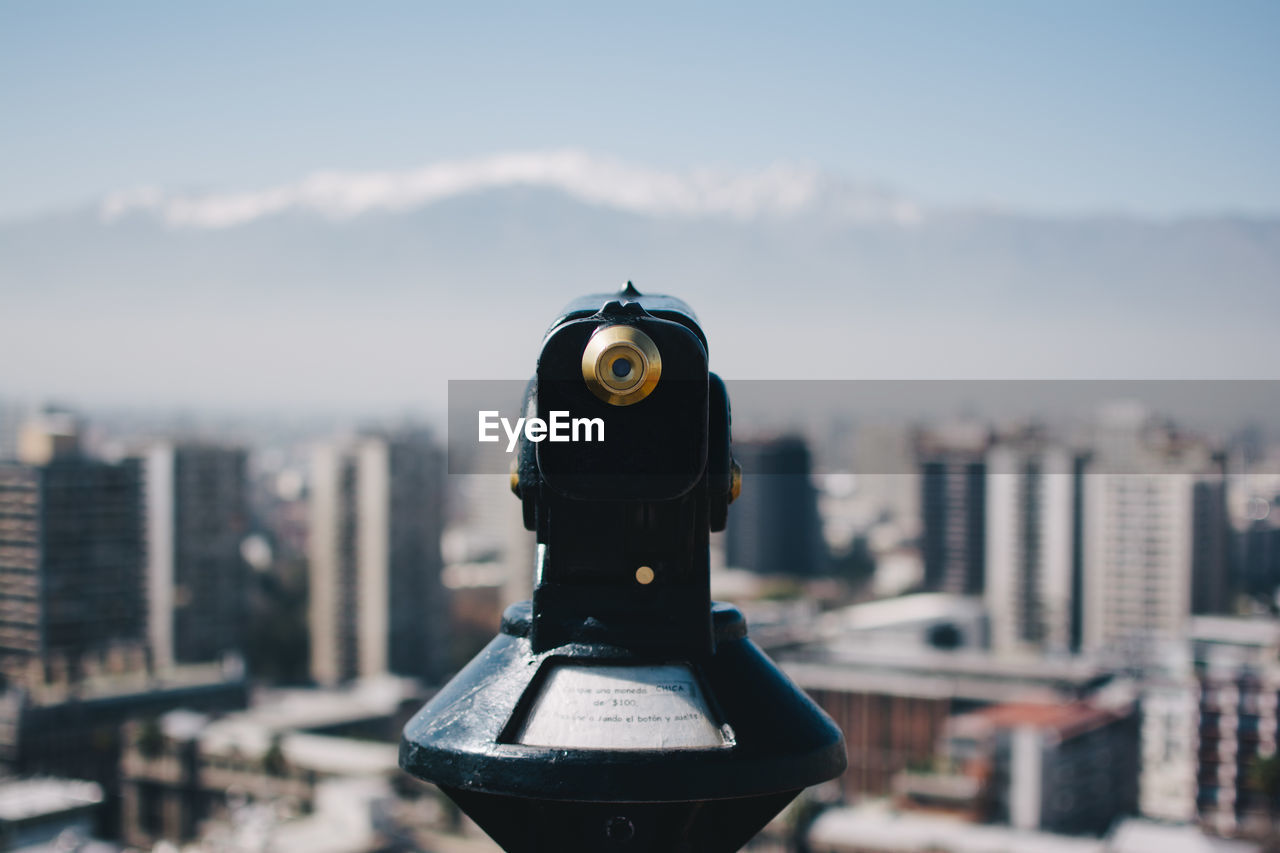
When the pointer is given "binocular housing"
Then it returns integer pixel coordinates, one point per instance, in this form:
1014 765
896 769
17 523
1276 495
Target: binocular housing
621 709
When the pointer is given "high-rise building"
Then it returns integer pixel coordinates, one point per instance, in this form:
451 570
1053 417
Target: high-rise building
71 558
883 460
1254 513
1138 561
1155 539
1207 723
1034 550
953 471
1237 664
197 580
11 417
51 434
1257 549
773 526
1212 585
1169 743
377 602
489 529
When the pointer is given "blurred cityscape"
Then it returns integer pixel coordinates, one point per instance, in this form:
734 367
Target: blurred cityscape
1034 638
257 259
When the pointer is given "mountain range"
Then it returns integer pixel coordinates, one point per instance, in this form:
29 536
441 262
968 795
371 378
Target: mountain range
358 290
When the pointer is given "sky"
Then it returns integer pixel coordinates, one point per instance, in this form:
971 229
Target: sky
1163 109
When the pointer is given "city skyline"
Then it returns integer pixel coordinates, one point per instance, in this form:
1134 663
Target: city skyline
982 374
952 702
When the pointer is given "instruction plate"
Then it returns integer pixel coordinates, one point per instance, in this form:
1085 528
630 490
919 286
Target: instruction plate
622 707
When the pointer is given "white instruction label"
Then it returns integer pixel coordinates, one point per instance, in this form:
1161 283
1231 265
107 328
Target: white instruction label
622 707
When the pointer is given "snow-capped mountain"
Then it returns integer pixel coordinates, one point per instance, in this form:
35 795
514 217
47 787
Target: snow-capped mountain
778 191
356 288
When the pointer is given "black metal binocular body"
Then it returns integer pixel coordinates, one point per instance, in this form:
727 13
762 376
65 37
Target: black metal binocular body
622 710
624 522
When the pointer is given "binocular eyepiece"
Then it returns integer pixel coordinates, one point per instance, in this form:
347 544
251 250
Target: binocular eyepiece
621 710
621 365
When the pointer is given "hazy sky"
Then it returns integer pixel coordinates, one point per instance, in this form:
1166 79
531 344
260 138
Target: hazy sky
1165 107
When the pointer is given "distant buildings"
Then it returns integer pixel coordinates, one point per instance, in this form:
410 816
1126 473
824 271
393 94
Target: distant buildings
1083 567
183 771
1069 768
1169 743
926 621
773 526
883 459
891 674
377 603
893 708
74 730
1227 699
488 528
1107 550
72 556
1155 538
11 417
1034 548
1061 744
953 482
49 811
74 608
1256 534
197 580
877 828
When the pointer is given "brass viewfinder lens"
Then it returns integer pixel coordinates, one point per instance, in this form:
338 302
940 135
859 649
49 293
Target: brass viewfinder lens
621 365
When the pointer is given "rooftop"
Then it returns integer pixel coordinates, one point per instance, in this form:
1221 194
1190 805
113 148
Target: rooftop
1066 720
183 724
877 827
106 687
473 575
1262 631
980 676
343 820
324 754
287 714
905 610
23 799
1143 836
313 708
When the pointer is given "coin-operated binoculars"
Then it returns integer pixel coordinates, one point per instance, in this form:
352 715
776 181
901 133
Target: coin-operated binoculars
622 710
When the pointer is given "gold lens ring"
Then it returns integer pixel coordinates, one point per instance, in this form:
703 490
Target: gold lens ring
621 365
